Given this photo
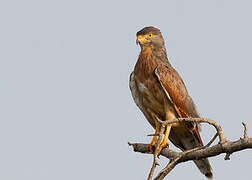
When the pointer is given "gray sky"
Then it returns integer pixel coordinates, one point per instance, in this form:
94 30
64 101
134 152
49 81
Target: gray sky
65 107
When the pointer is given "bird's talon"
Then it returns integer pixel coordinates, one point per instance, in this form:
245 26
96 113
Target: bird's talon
151 148
162 146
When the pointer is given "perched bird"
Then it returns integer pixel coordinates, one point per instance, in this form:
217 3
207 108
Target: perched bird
159 91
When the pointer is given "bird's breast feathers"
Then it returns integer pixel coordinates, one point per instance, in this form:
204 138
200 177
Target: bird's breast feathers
148 95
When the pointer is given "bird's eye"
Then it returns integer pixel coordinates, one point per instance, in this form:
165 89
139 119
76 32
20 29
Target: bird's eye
150 35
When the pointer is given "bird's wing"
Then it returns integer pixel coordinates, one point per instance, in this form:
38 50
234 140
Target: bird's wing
175 89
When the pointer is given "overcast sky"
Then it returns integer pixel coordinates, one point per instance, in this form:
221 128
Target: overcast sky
65 106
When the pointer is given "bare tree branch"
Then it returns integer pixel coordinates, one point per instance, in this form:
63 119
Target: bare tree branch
224 146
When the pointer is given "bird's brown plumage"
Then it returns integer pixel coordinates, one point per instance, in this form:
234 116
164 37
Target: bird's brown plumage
158 89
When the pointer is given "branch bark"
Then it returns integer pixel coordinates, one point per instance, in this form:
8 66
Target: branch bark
224 146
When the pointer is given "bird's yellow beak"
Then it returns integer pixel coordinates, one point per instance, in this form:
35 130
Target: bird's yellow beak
142 39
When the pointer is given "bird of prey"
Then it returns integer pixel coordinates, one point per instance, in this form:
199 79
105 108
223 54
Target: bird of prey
159 91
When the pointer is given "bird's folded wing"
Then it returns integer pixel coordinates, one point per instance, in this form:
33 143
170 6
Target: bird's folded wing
176 91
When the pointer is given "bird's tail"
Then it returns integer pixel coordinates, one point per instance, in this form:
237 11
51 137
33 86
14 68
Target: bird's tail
205 167
203 164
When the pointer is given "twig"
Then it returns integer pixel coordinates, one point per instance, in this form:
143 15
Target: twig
212 140
245 130
218 128
227 157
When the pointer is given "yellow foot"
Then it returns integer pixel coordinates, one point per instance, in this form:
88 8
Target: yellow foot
164 143
162 146
152 145
151 148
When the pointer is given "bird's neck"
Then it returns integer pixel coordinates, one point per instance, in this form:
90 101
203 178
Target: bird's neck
149 59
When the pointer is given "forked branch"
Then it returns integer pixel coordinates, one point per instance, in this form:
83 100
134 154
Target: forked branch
224 146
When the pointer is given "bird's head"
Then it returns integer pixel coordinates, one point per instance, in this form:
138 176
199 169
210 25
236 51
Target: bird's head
150 37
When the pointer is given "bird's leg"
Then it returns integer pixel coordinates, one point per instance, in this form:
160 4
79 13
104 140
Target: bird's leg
169 115
165 143
151 146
